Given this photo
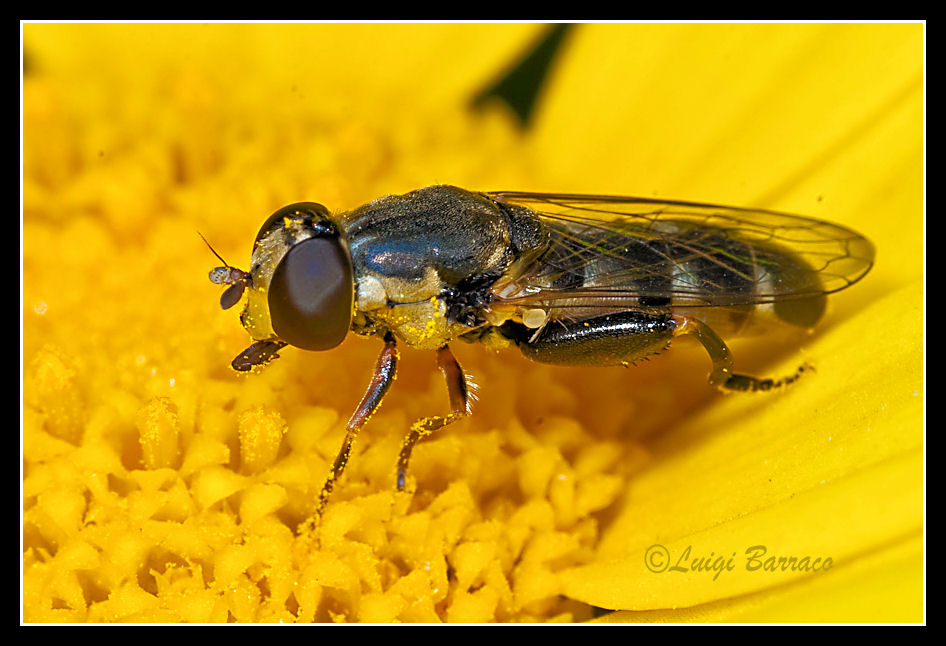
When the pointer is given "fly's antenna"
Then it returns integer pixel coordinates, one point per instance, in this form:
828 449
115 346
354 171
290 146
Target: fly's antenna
237 279
213 251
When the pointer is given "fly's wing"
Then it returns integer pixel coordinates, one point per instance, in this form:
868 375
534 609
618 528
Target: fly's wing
634 252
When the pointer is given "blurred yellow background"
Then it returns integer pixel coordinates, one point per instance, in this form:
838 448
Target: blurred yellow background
160 486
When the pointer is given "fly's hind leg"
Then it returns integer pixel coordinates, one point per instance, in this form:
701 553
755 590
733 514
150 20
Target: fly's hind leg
461 400
624 337
614 339
722 375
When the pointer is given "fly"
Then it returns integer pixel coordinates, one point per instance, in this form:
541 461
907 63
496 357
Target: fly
568 279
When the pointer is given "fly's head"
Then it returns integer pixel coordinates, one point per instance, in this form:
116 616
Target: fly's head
300 287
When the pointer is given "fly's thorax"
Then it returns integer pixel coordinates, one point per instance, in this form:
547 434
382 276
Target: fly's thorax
416 311
424 262
528 236
423 325
374 290
459 234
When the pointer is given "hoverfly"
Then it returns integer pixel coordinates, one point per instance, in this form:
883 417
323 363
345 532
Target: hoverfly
576 280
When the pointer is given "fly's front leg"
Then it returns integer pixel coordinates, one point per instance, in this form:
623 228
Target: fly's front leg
384 374
722 375
460 404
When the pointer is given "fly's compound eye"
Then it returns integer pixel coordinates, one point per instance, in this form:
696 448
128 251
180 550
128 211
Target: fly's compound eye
312 214
311 294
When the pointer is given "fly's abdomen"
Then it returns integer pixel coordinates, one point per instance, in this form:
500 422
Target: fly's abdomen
741 281
704 272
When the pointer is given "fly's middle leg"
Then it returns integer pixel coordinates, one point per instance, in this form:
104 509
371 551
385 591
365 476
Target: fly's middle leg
722 375
460 403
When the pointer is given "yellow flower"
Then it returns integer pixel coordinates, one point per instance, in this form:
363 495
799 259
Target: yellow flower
832 468
160 486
